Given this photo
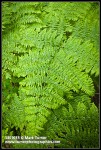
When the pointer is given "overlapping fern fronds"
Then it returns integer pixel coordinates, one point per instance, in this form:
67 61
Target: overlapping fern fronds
50 53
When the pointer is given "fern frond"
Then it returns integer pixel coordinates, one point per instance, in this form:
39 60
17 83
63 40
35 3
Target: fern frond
50 62
73 130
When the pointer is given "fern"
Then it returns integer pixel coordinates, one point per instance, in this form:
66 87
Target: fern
50 59
72 127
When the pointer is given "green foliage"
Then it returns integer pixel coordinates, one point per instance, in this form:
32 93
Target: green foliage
74 128
50 61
